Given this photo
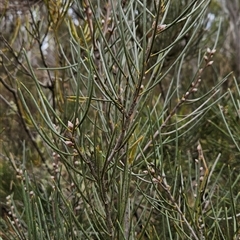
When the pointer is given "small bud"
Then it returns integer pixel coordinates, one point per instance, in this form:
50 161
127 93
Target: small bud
69 143
209 63
213 51
206 58
161 27
199 148
194 89
70 125
209 50
152 170
19 171
31 193
78 207
155 180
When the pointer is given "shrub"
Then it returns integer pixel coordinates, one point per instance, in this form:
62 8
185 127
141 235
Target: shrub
117 112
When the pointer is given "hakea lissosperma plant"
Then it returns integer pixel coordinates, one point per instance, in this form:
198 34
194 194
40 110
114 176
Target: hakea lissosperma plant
118 124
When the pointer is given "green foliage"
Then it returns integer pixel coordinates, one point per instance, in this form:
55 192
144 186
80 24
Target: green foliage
126 137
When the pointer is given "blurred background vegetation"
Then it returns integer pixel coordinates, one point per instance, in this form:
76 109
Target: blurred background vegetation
119 119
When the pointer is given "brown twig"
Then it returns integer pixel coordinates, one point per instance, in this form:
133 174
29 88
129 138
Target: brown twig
193 88
161 181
